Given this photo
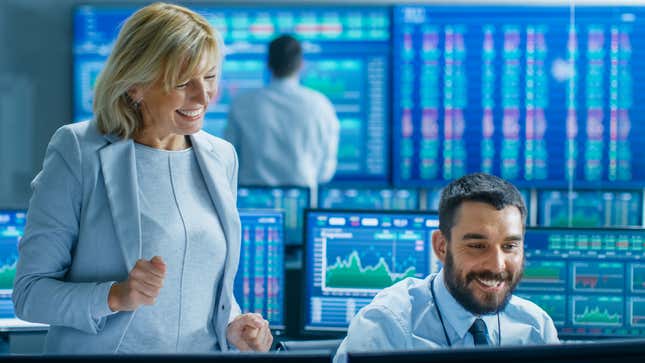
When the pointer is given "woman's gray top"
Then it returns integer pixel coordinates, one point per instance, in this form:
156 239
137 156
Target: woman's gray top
180 224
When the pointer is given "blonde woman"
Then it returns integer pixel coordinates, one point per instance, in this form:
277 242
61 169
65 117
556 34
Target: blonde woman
133 238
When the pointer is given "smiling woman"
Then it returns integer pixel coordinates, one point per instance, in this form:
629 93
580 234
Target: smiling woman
157 59
169 114
132 238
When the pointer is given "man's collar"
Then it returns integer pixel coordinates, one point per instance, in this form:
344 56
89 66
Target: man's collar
290 81
456 318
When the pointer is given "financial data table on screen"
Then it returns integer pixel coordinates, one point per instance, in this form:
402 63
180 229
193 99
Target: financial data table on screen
259 283
517 92
590 208
292 200
12 227
351 256
368 198
346 53
590 281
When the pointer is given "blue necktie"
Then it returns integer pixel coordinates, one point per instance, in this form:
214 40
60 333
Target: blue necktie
478 330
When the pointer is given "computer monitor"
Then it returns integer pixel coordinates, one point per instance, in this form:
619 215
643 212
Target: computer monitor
590 208
260 281
330 197
590 281
628 351
293 200
519 92
347 58
12 227
351 255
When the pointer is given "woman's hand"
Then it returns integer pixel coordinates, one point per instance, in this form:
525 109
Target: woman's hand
141 288
250 332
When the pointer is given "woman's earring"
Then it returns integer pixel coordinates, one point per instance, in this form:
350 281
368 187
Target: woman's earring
137 103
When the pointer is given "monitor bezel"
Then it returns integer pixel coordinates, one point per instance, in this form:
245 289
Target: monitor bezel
310 356
561 353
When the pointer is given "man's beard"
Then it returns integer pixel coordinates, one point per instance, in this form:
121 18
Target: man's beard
459 289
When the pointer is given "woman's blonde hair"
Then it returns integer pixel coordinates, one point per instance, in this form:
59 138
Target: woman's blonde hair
159 42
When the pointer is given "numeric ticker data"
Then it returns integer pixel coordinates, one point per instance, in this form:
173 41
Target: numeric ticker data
520 93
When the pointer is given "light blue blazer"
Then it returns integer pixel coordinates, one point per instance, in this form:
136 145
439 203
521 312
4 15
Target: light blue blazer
83 233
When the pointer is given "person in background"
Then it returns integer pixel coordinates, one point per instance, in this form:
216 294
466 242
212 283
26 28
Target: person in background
469 302
284 133
132 238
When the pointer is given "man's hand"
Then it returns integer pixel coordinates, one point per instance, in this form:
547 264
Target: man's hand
141 288
250 332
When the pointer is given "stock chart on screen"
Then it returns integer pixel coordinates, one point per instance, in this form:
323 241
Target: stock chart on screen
259 283
519 93
292 200
590 281
368 198
12 227
560 208
352 255
346 52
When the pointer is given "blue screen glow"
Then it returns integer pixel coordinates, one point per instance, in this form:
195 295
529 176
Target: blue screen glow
259 283
517 92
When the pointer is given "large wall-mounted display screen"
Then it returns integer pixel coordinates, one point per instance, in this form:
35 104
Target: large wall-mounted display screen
519 92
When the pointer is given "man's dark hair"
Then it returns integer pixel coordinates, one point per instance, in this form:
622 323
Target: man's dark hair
285 56
478 187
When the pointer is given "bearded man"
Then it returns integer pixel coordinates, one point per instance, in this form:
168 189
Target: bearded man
470 302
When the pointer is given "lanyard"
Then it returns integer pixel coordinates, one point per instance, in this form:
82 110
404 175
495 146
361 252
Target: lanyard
443 326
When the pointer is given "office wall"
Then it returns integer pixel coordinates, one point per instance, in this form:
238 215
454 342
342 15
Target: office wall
34 89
